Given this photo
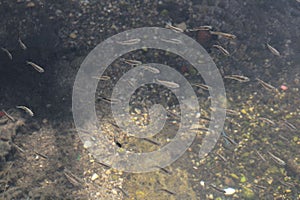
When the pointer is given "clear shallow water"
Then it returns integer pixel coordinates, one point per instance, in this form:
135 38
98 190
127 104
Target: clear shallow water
247 166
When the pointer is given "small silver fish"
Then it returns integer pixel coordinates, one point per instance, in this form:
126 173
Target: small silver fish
101 78
202 86
273 50
216 188
109 100
27 110
129 42
151 69
169 84
174 28
226 35
152 141
131 62
259 154
173 41
35 66
238 78
22 45
167 191
232 112
267 86
8 116
266 120
222 49
123 191
201 28
276 159
7 52
222 157
289 125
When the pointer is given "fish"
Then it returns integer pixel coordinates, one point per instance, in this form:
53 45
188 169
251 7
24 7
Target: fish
289 125
226 35
22 45
8 115
259 186
228 139
131 62
216 188
108 100
18 148
167 191
103 164
35 66
222 157
239 78
276 159
228 111
168 84
273 50
39 154
201 28
173 41
163 169
151 69
232 112
123 191
267 86
152 141
266 120
75 180
27 110
101 78
129 42
259 154
174 28
222 49
202 129
202 86
7 53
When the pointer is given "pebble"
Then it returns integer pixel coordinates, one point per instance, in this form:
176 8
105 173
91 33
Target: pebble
94 176
229 181
87 144
73 35
283 87
202 183
30 5
229 191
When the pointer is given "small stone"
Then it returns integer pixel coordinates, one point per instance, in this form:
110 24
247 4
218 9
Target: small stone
229 191
73 35
229 181
30 5
202 183
137 111
114 191
94 176
248 193
210 196
87 144
243 179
